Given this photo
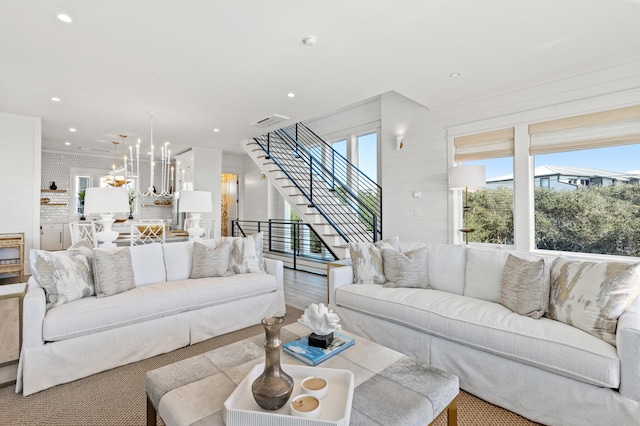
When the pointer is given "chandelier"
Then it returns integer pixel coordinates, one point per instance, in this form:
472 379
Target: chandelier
118 177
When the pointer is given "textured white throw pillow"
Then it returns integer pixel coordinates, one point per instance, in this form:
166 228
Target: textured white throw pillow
211 261
112 271
64 275
523 287
405 269
591 296
366 260
484 273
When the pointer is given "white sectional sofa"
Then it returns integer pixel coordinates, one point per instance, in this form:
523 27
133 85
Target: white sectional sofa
165 310
545 370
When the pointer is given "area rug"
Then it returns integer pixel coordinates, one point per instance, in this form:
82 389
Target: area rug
117 397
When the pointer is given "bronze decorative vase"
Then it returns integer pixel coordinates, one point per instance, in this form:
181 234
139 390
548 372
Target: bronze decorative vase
273 387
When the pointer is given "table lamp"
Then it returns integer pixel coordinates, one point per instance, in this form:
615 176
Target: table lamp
467 177
105 202
195 203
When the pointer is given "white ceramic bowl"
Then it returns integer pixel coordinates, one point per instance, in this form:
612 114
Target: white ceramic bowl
316 386
306 406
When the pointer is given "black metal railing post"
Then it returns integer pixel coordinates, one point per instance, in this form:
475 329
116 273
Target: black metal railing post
268 146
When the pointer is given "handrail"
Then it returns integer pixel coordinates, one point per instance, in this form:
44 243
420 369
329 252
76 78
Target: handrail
344 180
280 234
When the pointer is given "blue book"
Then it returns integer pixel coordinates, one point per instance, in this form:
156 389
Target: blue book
312 355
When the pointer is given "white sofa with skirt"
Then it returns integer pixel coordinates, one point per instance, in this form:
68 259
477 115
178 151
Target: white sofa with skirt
544 369
165 305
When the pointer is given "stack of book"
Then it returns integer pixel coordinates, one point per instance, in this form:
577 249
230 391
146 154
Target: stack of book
312 355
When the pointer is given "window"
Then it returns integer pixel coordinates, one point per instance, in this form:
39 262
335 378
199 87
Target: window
490 212
594 206
368 155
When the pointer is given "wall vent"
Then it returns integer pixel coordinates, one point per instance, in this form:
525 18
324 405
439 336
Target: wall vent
269 121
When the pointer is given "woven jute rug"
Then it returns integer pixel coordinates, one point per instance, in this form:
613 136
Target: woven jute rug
117 397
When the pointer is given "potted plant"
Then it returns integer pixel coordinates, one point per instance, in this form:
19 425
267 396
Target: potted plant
81 195
132 204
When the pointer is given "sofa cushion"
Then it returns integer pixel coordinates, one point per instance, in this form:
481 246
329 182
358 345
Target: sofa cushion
64 275
523 287
544 343
483 273
246 253
112 271
592 295
148 265
366 259
92 314
178 258
210 261
405 269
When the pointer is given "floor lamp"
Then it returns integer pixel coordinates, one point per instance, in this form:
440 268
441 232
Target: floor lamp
467 178
195 203
105 202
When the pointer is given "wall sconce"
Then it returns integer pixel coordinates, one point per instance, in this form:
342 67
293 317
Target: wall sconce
263 176
399 143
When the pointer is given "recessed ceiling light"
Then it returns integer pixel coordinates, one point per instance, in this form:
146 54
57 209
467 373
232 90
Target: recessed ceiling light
310 40
216 130
72 129
291 95
455 74
64 18
67 143
54 99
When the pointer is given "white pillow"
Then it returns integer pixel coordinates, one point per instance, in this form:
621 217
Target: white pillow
246 253
484 274
366 260
446 267
178 258
148 264
64 275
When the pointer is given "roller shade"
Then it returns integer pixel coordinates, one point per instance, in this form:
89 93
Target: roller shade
598 130
481 146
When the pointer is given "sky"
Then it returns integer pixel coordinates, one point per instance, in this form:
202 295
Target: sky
622 159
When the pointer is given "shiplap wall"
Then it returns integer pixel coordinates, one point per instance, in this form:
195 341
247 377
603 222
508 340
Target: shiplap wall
20 144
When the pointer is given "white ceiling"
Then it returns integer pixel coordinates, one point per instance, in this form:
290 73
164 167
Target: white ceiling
205 64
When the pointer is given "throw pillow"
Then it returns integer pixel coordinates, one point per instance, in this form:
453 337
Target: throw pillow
366 260
523 287
210 262
246 254
64 275
591 296
405 269
112 271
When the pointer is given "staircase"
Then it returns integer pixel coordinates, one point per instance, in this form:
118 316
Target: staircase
336 199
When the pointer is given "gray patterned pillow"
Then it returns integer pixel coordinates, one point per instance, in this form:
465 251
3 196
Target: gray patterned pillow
524 288
64 275
366 260
405 269
112 271
591 296
246 253
210 261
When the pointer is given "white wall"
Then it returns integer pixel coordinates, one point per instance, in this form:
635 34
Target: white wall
20 144
207 172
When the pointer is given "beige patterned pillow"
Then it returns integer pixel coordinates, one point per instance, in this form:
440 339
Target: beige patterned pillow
64 275
524 288
405 269
210 261
112 271
366 259
592 295
246 253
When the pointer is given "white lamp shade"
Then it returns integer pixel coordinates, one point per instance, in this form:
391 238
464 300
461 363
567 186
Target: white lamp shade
106 200
472 177
196 202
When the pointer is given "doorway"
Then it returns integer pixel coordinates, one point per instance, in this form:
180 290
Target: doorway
229 199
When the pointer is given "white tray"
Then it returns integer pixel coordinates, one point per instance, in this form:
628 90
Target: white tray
241 409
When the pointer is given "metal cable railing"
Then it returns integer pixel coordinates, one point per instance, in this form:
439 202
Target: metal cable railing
286 237
347 199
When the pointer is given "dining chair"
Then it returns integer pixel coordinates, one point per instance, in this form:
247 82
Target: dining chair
147 232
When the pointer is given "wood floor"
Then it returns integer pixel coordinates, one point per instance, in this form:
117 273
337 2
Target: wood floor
300 290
